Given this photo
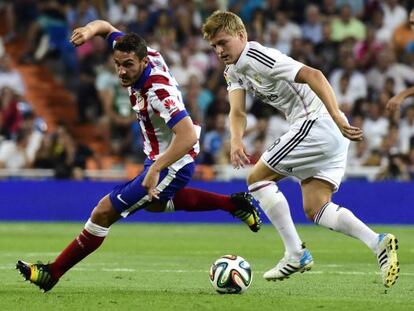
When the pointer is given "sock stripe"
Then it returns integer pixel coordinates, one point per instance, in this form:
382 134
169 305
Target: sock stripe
319 214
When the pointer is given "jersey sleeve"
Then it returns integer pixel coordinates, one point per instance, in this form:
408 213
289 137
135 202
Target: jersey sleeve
171 109
112 37
232 81
285 68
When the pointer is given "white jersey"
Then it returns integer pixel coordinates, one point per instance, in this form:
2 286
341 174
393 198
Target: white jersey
158 104
269 75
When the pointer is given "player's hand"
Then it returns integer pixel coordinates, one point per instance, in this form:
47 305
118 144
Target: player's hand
351 132
393 104
81 35
238 155
150 183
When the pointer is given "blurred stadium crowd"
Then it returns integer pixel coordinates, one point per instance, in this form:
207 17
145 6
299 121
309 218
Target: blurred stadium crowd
364 47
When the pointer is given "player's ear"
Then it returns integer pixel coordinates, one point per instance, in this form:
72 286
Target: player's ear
242 36
145 60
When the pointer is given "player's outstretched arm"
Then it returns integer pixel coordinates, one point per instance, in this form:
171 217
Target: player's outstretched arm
320 85
394 103
96 28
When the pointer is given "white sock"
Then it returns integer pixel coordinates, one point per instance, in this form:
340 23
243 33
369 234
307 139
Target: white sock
340 219
276 208
95 229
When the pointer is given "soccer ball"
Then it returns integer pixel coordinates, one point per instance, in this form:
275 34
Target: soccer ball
231 274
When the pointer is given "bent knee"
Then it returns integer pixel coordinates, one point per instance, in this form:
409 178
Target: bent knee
311 210
253 177
104 214
250 179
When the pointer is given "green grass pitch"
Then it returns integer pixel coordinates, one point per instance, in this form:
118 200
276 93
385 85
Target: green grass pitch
165 267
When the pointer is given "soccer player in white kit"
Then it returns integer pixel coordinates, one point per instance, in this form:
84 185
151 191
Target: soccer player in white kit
314 149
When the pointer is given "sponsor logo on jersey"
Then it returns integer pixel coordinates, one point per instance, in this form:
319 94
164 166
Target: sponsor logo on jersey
226 77
139 103
257 78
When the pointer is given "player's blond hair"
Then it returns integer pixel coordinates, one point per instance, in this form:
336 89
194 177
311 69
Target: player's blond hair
223 21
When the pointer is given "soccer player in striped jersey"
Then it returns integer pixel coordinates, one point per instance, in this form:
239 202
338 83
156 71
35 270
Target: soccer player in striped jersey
170 142
314 150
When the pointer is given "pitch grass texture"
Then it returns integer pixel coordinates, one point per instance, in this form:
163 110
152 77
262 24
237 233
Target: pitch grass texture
165 267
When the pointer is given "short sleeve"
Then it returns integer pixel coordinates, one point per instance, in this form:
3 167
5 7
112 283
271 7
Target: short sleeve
286 68
171 109
233 82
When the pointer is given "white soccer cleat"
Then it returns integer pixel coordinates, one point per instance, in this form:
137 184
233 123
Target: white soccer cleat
387 258
288 266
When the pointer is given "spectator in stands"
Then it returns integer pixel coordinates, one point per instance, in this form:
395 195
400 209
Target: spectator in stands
394 14
13 152
347 26
50 32
184 70
164 26
10 77
258 25
11 117
9 20
271 39
184 16
407 129
388 66
326 51
192 99
366 51
82 13
63 149
44 156
122 12
288 29
204 96
345 95
357 81
87 99
214 139
403 38
255 136
312 27
35 135
382 33
140 24
398 168
411 158
375 126
358 154
117 115
357 6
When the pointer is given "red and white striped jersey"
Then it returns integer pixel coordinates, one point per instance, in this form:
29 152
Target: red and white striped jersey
158 104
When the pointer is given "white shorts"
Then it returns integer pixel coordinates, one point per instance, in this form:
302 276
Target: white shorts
311 148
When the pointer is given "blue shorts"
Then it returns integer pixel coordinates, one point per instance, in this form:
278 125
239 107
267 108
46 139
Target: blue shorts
132 196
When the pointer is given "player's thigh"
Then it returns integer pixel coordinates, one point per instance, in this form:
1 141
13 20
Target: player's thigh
315 194
132 196
262 172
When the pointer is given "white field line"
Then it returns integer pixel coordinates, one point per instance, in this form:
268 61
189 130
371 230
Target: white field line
10 267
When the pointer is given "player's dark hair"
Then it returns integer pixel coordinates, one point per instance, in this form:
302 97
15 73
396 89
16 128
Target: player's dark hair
131 42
